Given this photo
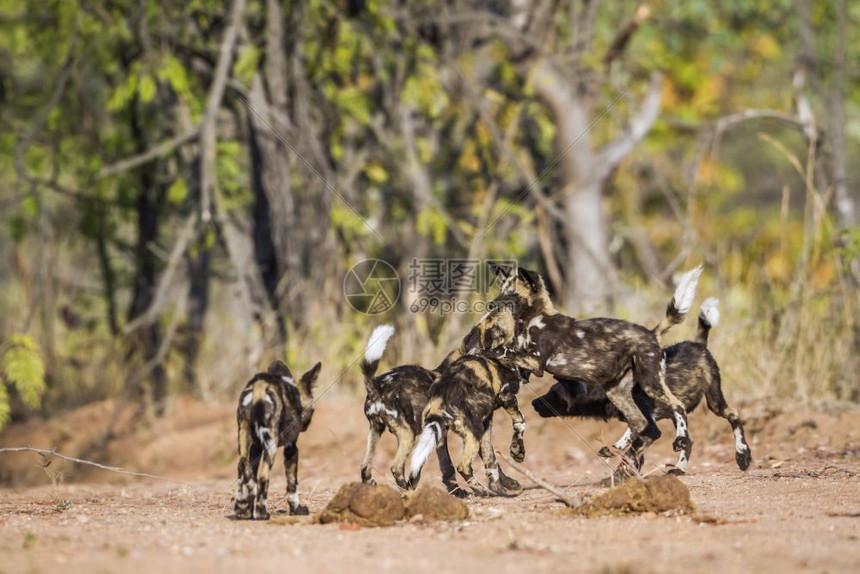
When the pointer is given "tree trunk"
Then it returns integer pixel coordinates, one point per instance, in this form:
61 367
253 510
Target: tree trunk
589 285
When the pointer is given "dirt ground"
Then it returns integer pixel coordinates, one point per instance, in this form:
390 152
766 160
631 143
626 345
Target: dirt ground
796 509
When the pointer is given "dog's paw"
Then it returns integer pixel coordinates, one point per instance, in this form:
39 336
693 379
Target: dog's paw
743 458
261 512
370 481
242 512
299 510
518 451
455 490
605 452
676 471
509 483
681 443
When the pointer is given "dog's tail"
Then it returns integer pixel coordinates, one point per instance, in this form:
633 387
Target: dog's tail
709 317
434 427
681 302
373 353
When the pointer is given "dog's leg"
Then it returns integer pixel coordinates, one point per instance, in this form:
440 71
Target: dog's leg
506 481
621 397
446 465
405 442
488 456
291 468
471 447
518 422
261 509
717 405
652 378
373 435
243 504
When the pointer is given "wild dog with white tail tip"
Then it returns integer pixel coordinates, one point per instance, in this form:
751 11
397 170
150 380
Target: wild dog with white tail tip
463 400
608 353
395 401
691 373
273 411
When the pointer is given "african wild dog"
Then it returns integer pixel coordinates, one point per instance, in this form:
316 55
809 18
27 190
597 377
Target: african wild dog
273 411
463 399
691 373
608 353
396 399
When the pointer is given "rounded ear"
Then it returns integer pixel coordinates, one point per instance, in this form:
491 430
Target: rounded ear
279 369
309 379
531 279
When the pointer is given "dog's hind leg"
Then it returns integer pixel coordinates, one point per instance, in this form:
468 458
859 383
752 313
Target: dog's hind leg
488 456
243 492
621 397
446 465
717 405
373 435
506 481
267 458
291 468
471 447
405 442
651 376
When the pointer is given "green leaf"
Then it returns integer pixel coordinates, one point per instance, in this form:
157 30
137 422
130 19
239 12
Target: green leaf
146 88
247 63
23 368
4 406
177 192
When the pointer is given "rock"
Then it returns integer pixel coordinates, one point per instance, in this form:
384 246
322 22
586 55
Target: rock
435 504
657 494
364 505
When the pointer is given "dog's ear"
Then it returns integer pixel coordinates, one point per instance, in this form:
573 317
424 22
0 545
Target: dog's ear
309 379
279 369
500 270
530 278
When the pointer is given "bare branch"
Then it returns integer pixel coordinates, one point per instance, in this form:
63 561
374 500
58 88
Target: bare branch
617 150
50 453
151 313
208 137
542 482
149 155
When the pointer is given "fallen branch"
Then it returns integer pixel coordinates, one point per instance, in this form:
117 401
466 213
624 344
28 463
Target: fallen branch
49 453
542 482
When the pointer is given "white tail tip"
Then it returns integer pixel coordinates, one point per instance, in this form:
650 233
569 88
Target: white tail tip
377 343
686 290
709 312
424 448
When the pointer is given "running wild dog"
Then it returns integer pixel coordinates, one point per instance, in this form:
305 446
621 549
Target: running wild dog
273 411
606 353
396 400
691 373
463 400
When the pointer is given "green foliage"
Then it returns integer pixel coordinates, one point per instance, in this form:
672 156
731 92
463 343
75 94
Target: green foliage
22 369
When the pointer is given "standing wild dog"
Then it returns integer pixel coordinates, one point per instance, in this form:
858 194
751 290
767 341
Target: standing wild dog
691 373
607 353
273 411
463 400
396 400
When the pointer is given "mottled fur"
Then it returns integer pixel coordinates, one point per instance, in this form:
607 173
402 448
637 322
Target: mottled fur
604 352
273 411
463 400
395 401
691 373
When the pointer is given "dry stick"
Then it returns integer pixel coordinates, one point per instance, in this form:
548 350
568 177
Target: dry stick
543 483
47 453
